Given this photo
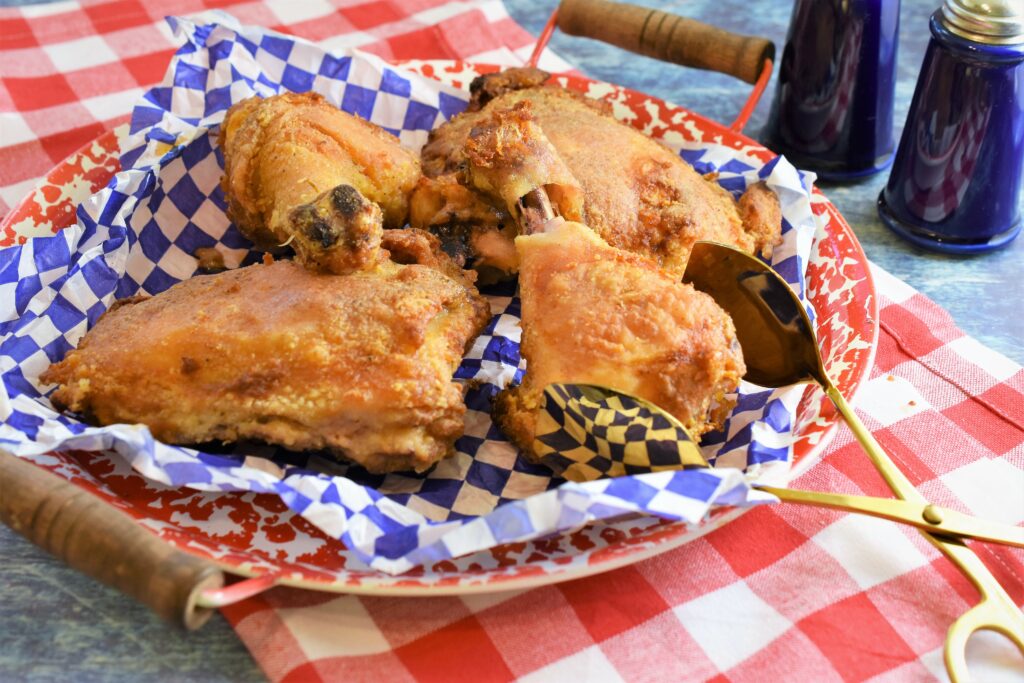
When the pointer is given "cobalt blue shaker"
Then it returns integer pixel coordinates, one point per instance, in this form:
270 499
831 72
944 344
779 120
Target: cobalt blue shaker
832 111
955 185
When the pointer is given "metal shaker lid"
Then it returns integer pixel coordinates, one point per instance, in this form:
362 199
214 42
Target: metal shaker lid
992 22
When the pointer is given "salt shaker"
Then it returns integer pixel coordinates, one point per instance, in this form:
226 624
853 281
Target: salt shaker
955 185
832 111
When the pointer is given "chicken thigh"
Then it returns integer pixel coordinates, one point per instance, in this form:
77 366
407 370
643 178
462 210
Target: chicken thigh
637 194
359 365
594 314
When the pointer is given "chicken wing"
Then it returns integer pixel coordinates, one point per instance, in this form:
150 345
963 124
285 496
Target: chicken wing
594 314
282 152
359 364
634 192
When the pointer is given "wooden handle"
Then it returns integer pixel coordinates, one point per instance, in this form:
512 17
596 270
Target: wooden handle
665 36
103 542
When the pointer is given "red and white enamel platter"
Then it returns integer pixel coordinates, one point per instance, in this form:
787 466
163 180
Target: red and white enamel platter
252 534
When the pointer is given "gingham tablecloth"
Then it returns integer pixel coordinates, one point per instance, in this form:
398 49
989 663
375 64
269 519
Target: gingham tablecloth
824 595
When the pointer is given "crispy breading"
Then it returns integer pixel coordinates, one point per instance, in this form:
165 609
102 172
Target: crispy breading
637 194
350 348
509 156
594 314
284 151
360 364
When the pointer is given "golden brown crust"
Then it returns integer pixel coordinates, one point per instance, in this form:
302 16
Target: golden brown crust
516 417
350 348
593 314
509 156
762 218
360 365
284 151
637 194
485 88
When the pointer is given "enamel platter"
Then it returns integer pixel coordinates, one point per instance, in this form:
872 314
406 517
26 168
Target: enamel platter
250 534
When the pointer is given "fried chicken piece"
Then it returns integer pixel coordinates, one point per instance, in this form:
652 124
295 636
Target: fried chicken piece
351 348
282 152
762 216
360 364
468 225
595 314
636 193
486 87
509 156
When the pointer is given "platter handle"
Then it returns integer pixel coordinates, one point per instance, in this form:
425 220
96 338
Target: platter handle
668 37
101 541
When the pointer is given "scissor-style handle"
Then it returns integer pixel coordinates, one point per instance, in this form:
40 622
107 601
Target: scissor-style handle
989 615
924 516
996 611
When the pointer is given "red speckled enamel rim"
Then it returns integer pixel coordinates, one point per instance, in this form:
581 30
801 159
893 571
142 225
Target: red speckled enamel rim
256 534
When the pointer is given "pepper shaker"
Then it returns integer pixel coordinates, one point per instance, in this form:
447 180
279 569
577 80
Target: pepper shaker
955 185
832 111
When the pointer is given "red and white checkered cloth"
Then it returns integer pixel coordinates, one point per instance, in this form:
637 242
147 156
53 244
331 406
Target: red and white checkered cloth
784 593
70 71
823 595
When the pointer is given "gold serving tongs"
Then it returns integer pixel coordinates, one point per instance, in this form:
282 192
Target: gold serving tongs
584 433
601 419
780 349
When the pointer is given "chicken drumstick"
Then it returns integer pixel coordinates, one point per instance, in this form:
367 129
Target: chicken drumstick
282 152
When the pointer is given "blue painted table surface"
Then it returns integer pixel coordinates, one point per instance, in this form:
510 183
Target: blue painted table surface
58 625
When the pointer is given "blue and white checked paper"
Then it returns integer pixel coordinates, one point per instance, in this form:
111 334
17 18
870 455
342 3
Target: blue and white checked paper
138 234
